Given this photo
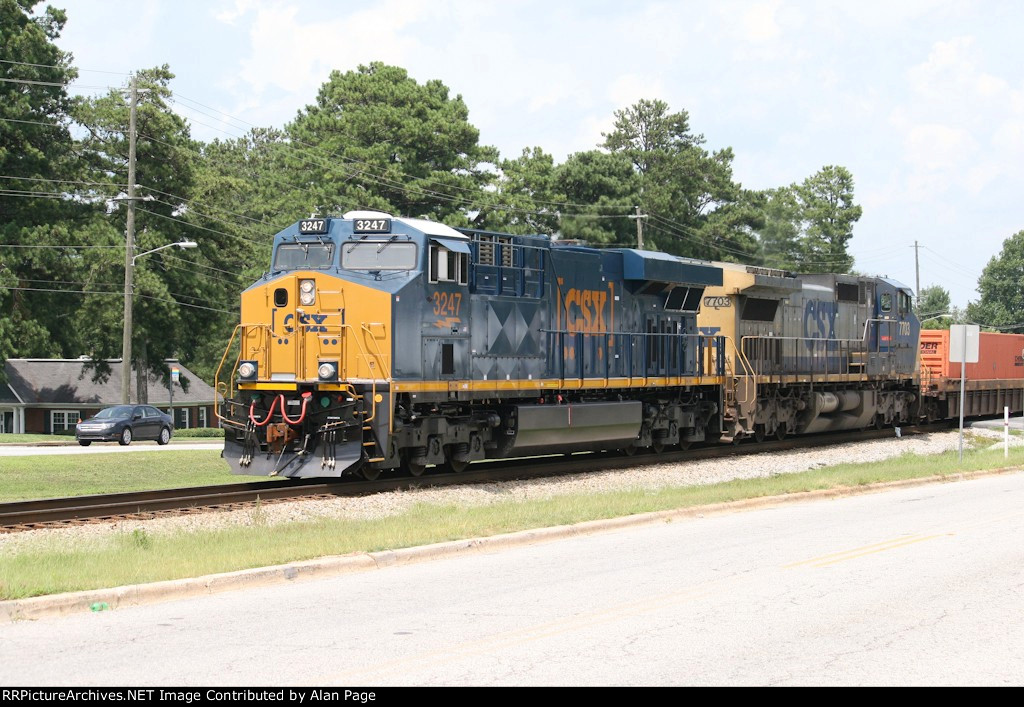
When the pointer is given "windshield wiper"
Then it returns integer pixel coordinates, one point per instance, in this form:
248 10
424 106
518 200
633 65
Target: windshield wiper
386 243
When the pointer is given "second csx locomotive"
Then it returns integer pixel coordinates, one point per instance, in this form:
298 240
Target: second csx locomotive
377 342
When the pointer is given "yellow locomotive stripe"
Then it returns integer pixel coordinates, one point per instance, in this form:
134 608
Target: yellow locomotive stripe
558 384
268 386
551 384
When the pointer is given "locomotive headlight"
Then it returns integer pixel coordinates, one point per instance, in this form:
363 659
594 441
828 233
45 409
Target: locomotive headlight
327 371
307 292
247 369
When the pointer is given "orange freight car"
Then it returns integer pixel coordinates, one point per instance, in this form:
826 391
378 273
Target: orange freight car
1000 356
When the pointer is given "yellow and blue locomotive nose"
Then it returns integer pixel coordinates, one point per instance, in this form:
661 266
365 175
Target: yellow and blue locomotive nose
314 328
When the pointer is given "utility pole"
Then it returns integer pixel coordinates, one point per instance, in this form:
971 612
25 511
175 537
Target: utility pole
917 272
129 257
639 228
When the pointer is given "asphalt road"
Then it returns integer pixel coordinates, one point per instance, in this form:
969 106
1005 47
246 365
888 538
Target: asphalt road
921 586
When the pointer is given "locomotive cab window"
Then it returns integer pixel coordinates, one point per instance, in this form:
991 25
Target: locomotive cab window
904 300
448 266
301 256
886 302
378 255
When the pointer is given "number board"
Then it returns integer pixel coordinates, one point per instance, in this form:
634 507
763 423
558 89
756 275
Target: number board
372 225
313 225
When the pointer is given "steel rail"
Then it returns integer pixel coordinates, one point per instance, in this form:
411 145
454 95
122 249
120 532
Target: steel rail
27 515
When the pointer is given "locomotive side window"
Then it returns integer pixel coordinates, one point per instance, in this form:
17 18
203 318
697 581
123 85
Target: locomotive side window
847 292
760 310
448 266
886 302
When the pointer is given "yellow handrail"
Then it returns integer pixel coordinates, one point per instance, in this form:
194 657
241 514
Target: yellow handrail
230 385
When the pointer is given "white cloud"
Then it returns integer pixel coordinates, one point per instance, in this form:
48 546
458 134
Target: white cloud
627 89
934 147
238 9
758 22
294 54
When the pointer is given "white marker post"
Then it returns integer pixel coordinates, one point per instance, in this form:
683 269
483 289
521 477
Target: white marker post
1006 432
963 349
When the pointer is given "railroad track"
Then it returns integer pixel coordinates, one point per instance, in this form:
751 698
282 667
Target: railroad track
53 512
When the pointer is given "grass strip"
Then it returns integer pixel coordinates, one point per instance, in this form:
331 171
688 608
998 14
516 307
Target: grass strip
10 438
58 475
47 566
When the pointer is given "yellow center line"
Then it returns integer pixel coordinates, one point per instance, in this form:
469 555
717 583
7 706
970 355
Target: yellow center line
854 556
852 553
865 549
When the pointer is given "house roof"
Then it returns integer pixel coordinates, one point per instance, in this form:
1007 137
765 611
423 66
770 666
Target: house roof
43 381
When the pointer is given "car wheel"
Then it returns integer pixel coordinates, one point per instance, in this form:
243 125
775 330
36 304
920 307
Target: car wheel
165 436
85 442
126 437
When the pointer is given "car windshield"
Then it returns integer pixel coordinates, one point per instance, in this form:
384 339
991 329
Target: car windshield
119 411
296 256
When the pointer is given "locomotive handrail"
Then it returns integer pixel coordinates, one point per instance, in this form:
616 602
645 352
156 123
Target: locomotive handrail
742 358
231 380
579 337
850 349
867 322
379 355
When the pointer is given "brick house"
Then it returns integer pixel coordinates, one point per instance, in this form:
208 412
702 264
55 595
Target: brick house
49 396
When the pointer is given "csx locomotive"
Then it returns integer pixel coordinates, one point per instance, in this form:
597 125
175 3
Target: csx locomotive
377 342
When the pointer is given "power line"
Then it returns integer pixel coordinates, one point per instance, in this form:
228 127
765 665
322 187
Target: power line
60 181
200 265
59 66
69 84
202 228
34 122
195 201
119 294
57 246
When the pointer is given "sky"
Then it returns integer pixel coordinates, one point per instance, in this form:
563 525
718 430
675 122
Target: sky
922 100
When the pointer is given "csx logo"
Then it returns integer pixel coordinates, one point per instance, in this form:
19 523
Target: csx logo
717 302
312 323
584 310
820 320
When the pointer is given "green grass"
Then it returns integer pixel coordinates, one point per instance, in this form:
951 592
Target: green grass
51 476
31 439
47 566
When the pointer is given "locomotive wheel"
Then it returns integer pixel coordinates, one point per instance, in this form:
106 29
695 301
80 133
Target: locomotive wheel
759 433
630 450
370 473
456 466
685 444
780 431
658 446
879 421
415 468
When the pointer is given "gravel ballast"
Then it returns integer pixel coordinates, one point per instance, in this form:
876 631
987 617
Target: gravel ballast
649 476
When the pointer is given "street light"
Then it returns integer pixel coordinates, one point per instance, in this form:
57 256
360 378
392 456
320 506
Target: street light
126 342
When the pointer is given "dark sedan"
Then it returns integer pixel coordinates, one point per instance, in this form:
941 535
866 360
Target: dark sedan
125 423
